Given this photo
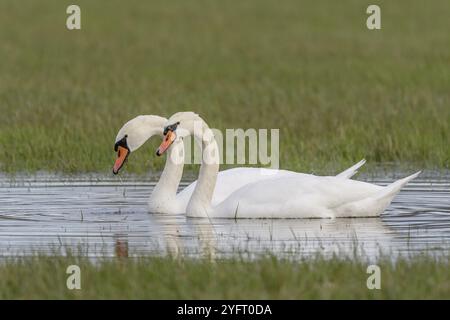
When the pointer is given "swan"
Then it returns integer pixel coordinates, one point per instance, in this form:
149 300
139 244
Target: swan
291 196
164 198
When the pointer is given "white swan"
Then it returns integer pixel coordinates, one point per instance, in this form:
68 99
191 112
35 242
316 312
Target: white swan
164 198
294 196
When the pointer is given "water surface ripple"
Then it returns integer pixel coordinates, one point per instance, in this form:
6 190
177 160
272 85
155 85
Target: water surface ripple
104 216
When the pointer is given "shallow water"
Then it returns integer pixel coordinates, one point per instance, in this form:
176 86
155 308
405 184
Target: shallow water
105 216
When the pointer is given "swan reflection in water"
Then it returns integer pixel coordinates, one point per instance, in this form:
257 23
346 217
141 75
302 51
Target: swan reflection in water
210 238
178 235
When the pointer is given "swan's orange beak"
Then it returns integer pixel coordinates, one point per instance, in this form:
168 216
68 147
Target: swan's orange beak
169 138
122 155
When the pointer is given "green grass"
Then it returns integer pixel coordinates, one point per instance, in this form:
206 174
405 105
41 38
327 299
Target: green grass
265 278
337 91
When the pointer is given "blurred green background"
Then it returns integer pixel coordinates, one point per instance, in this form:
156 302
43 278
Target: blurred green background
337 91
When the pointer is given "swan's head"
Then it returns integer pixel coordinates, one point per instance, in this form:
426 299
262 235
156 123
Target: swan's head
179 126
134 134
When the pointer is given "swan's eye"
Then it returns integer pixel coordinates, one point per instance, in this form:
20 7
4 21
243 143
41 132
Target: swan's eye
171 127
121 143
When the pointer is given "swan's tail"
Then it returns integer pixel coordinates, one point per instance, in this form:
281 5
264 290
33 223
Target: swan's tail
391 190
387 194
375 205
350 172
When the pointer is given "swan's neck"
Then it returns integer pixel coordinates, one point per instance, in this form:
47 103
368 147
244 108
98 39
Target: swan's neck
166 189
200 202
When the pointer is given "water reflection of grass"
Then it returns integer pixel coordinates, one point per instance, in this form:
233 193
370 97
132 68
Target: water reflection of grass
264 278
337 91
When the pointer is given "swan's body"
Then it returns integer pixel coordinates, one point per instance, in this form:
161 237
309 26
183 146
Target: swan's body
164 198
308 196
231 180
290 196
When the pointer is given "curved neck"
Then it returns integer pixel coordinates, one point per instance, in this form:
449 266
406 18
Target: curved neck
200 203
167 186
